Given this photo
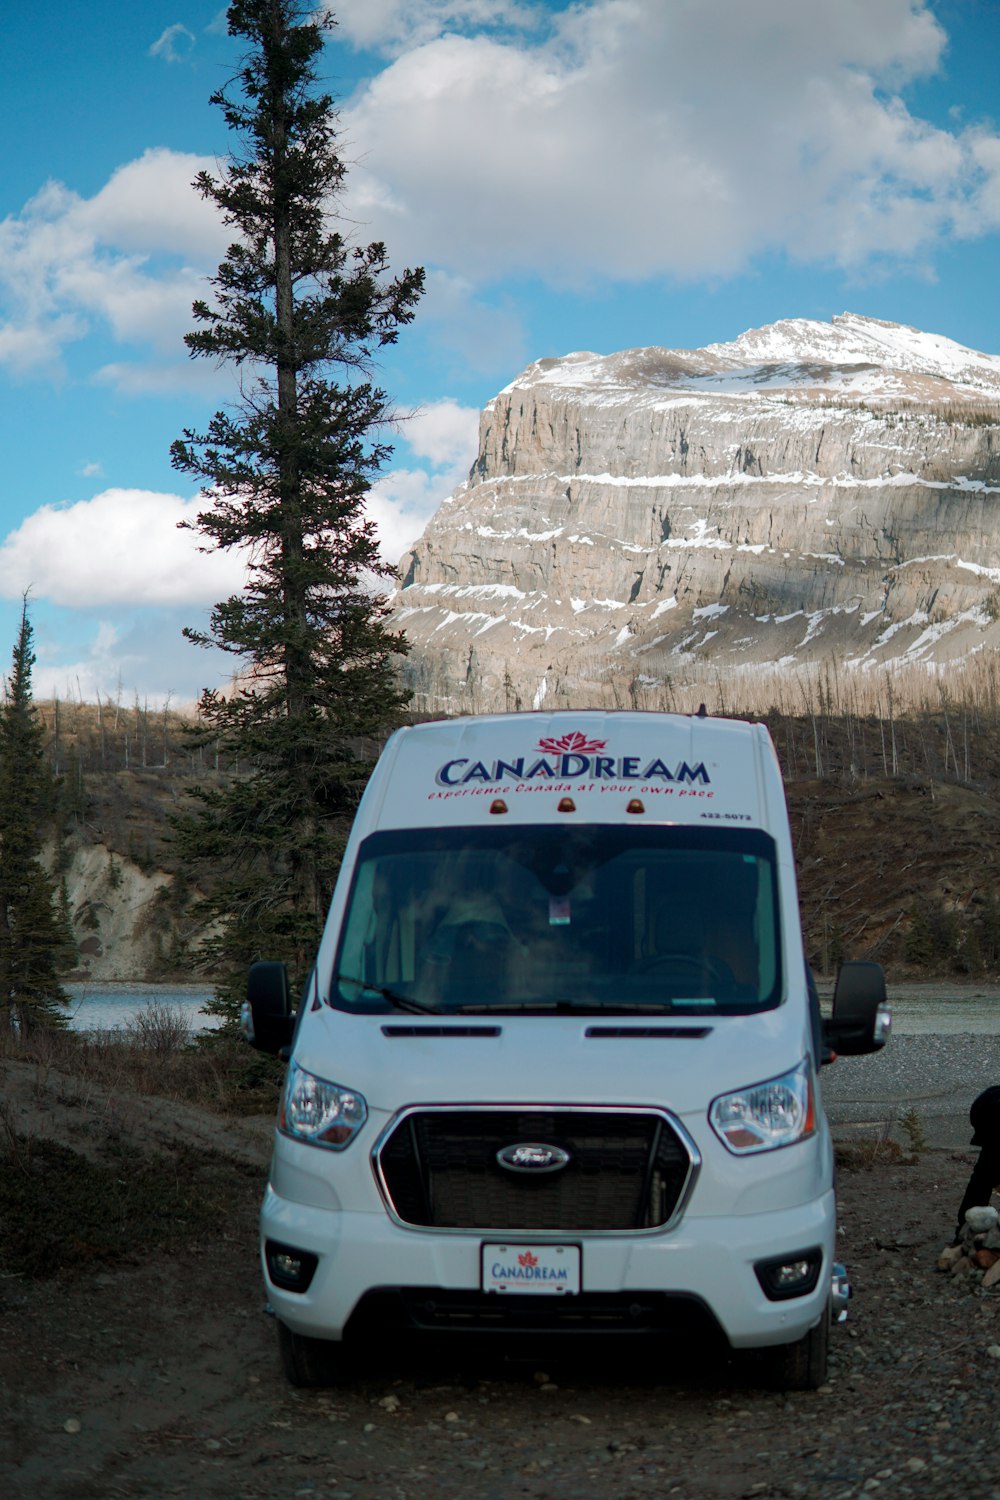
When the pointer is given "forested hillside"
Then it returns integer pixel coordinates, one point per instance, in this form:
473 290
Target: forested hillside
896 822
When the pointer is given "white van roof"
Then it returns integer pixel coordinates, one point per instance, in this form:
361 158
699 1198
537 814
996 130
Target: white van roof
611 766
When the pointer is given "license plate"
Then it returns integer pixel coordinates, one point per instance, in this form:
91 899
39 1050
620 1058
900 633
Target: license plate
536 1270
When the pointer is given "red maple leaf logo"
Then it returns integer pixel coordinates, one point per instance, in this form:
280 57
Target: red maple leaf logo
573 743
527 1259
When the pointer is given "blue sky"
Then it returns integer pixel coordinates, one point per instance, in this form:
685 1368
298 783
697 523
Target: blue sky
597 175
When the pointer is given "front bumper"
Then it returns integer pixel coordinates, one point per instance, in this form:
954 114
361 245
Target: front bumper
704 1263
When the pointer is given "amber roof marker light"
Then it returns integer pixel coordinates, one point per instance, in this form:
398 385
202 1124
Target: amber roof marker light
566 804
635 806
498 806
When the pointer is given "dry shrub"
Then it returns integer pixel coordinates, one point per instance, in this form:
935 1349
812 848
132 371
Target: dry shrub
156 1055
161 1029
867 1152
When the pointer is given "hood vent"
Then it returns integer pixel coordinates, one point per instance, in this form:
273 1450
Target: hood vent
673 1033
462 1031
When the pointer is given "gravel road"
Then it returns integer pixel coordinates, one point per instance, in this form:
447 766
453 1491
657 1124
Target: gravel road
944 1049
162 1379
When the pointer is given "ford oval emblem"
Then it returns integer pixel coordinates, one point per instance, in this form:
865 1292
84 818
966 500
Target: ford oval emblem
533 1156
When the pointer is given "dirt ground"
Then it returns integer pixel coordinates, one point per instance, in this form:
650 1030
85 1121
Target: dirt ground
903 872
157 1373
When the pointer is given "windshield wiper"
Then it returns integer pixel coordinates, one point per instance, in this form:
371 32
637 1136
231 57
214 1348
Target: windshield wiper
396 1000
566 1007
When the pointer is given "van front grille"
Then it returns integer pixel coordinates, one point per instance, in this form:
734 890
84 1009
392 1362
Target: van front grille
627 1170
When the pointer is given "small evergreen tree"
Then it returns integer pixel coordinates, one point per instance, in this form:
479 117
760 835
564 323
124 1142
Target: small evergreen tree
36 947
301 313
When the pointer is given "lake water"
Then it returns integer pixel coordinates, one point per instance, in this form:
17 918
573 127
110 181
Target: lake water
107 1007
929 1008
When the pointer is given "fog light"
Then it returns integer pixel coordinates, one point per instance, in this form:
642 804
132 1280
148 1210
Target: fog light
288 1268
786 1276
790 1275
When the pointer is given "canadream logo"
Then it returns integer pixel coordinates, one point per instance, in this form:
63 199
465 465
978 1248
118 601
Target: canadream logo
571 755
528 1269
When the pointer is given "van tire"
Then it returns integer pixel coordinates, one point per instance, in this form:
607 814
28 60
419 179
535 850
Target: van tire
309 1363
802 1366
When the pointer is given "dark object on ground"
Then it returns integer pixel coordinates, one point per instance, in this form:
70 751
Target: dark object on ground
984 1117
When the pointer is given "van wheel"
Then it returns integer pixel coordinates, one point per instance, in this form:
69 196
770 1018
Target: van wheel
802 1366
309 1362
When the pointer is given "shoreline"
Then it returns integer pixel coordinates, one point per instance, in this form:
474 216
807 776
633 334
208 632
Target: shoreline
82 988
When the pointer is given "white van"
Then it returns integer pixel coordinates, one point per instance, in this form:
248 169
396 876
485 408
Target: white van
556 1069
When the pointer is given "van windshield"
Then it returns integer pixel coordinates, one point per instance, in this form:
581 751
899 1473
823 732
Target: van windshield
538 918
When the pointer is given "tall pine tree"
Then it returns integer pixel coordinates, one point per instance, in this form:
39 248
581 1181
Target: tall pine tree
301 313
36 949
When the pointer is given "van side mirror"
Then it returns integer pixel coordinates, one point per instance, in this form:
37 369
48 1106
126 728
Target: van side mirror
266 1014
861 1018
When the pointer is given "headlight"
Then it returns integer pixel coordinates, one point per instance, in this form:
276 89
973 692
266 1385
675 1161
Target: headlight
766 1115
318 1112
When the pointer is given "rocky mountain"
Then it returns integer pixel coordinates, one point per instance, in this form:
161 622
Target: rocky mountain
808 491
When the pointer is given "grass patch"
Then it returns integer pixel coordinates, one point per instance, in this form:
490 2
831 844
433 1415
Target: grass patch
60 1210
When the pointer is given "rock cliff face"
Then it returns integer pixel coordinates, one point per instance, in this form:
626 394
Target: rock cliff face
126 927
809 490
122 926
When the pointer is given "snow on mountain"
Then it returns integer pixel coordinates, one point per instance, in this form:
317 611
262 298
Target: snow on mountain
853 340
852 355
809 490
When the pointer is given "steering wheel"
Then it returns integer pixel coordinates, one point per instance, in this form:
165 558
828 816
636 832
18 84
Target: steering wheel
686 963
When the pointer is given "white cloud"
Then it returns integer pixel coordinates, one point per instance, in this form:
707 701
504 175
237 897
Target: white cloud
89 676
168 377
392 24
641 140
148 205
126 547
401 504
444 432
986 157
141 655
136 307
34 348
403 501
130 260
174 44
123 547
483 338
